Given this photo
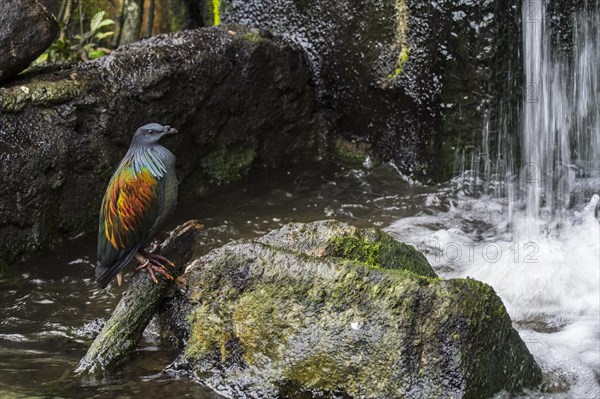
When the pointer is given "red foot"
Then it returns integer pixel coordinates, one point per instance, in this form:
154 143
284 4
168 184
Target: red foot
152 263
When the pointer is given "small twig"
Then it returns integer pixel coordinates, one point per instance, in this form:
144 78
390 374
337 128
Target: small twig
121 20
80 20
66 18
150 19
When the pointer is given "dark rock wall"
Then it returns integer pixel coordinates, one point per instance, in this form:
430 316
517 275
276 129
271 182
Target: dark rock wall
413 78
354 48
481 75
237 98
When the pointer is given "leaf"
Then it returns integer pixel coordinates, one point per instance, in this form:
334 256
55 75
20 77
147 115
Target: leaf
60 45
105 22
103 35
96 21
42 58
96 54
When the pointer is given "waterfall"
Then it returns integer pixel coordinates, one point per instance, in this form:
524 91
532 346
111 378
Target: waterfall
560 135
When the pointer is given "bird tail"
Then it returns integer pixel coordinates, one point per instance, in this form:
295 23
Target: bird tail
104 273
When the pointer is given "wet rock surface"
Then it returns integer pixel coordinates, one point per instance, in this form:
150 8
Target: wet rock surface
292 315
412 78
238 98
27 29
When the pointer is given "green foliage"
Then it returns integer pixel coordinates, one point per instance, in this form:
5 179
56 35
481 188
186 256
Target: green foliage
81 47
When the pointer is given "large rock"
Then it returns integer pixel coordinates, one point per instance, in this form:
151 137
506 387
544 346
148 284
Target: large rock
327 310
27 29
237 97
412 77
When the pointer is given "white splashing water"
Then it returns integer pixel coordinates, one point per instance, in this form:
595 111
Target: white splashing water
549 283
539 247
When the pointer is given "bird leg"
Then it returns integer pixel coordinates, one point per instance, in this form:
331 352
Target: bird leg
152 263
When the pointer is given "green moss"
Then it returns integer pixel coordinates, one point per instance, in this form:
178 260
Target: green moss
402 60
351 151
228 165
253 37
208 334
15 98
262 320
351 247
319 372
400 44
380 252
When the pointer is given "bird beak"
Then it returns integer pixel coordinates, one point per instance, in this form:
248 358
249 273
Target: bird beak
169 130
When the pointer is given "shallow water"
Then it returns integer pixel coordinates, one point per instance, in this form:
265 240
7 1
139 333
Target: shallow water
49 306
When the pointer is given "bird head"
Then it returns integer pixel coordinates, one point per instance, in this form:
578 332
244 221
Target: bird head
151 133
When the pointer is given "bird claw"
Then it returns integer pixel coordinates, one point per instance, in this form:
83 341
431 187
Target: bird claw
158 259
152 263
152 276
159 269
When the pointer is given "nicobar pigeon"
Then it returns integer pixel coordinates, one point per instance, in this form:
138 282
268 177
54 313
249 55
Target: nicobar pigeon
140 196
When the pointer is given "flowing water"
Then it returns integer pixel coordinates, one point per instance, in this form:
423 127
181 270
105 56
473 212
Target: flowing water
529 228
560 137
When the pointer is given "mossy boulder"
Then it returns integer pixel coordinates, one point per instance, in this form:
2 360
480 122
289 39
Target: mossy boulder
332 238
327 310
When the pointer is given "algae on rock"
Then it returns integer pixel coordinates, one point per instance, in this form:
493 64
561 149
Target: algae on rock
332 238
228 165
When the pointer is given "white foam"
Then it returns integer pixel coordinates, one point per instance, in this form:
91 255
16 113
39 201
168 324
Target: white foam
547 275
